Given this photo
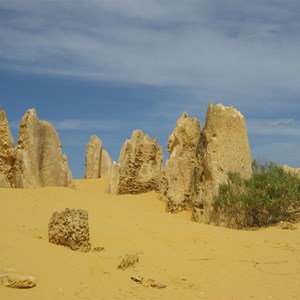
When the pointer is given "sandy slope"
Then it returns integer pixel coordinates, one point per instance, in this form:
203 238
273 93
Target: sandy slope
196 261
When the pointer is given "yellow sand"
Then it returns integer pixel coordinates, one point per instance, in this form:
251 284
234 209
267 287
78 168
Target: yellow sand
195 261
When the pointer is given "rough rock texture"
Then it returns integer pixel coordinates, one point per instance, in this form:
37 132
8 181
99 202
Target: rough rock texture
140 166
225 148
29 152
226 145
39 160
7 153
183 166
70 228
93 158
294 171
106 163
10 278
129 260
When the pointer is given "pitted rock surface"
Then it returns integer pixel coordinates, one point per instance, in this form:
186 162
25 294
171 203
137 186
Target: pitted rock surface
140 166
70 228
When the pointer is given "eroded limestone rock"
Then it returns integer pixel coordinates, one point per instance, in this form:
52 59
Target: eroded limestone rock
7 153
10 278
140 165
70 228
67 170
114 179
54 166
93 158
29 152
39 159
106 163
129 260
183 166
226 145
294 171
225 149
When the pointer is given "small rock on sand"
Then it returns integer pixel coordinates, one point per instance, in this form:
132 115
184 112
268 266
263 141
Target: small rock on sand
286 225
10 278
128 261
137 278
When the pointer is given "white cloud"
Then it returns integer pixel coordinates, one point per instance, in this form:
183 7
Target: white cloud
232 48
289 128
77 124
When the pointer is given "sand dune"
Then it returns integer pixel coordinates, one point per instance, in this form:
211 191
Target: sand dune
195 261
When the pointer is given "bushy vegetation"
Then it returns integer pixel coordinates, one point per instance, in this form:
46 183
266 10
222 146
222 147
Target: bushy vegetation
271 195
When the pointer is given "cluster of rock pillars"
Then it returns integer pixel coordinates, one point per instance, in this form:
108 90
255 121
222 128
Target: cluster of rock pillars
199 159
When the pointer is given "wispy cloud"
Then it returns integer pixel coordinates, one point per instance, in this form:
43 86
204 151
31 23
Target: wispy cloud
221 46
276 127
85 125
79 125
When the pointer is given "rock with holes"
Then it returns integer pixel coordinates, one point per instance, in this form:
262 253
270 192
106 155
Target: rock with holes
70 228
140 166
7 153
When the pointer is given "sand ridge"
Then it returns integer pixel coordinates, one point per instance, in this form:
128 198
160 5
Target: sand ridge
195 261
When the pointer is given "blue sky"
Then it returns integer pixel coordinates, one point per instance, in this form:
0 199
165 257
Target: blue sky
109 67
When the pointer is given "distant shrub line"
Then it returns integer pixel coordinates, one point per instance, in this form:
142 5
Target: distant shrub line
271 195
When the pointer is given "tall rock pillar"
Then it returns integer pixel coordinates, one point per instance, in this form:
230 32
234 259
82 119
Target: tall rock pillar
183 166
225 148
93 158
7 153
39 159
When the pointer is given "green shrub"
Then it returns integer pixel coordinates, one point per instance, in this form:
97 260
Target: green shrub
269 196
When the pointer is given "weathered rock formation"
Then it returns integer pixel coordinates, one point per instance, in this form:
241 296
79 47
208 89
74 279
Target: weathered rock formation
66 168
225 148
7 152
10 278
54 165
140 166
39 160
226 145
183 167
106 164
199 161
70 228
93 158
114 179
294 171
